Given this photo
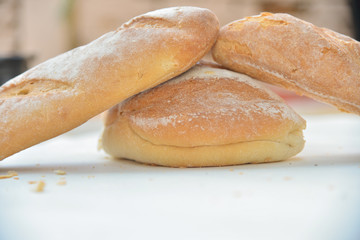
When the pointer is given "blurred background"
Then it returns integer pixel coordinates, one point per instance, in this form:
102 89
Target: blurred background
33 31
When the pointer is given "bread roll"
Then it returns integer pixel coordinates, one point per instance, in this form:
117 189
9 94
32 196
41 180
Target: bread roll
286 51
205 117
64 92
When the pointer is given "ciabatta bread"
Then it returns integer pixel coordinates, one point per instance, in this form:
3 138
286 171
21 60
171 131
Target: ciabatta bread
65 91
289 52
205 117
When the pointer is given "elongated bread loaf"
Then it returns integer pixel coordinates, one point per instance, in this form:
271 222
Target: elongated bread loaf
286 51
64 92
205 117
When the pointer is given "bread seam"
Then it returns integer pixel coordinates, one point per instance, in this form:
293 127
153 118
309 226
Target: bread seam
210 145
215 122
187 159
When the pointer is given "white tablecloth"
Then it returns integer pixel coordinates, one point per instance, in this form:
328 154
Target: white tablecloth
315 195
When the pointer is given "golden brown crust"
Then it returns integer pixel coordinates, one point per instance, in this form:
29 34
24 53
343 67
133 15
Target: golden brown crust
66 91
286 51
205 110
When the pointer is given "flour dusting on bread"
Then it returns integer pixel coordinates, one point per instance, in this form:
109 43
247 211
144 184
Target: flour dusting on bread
208 103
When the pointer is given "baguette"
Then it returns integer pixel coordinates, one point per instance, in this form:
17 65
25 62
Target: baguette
294 54
205 117
64 92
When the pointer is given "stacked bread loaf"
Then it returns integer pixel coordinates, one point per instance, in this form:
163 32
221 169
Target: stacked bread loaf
205 117
283 50
162 112
64 92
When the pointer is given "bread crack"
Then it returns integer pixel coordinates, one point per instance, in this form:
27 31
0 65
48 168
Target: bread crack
34 87
149 22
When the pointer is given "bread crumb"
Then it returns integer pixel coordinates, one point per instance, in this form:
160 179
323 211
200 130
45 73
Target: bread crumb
5 176
16 178
287 178
9 174
91 176
240 173
39 187
59 172
61 182
100 145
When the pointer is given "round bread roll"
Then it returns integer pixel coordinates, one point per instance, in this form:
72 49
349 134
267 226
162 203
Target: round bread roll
205 117
64 92
294 54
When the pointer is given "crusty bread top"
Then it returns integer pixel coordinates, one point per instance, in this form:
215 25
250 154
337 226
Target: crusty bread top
287 51
181 35
65 91
207 106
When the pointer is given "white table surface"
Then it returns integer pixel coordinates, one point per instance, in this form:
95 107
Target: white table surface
315 195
